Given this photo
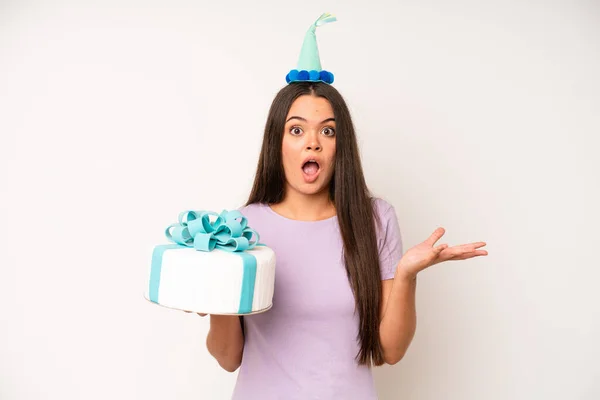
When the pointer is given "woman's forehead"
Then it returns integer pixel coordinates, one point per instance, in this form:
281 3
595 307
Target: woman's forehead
311 108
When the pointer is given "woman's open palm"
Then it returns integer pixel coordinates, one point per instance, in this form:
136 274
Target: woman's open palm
426 253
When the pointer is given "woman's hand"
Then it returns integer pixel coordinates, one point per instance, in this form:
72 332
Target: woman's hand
426 254
200 314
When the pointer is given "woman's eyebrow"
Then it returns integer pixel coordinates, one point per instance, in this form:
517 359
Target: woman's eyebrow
304 119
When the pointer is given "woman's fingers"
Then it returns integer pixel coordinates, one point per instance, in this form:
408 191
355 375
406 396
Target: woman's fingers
463 251
472 246
477 245
465 248
440 248
200 314
435 236
468 254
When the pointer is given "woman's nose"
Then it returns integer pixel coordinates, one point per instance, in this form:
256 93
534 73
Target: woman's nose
313 143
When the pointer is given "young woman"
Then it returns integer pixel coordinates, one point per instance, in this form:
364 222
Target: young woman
344 291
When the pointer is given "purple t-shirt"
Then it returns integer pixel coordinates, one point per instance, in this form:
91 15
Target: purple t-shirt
304 346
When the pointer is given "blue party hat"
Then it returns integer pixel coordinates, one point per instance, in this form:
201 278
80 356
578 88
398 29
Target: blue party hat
309 62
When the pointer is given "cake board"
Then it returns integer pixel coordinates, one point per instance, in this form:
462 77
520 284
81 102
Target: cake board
232 314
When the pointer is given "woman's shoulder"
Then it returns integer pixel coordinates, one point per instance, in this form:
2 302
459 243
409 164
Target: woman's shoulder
382 208
253 209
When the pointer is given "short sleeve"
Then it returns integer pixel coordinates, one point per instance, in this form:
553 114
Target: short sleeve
389 239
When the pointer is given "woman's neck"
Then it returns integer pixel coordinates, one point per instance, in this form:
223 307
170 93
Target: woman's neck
303 207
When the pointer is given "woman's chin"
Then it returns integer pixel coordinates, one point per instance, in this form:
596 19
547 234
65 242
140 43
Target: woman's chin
310 189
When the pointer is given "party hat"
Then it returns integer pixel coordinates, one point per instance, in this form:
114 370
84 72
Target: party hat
309 62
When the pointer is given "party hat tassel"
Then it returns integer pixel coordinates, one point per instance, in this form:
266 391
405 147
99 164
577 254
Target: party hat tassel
325 19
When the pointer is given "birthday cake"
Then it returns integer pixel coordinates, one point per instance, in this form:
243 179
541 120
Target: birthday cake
215 265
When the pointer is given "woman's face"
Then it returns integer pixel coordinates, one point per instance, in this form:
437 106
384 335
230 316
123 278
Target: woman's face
308 147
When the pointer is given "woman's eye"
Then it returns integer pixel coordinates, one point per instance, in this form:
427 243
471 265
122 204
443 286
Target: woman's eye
295 131
328 131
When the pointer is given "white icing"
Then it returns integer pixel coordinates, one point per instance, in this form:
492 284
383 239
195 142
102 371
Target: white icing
210 282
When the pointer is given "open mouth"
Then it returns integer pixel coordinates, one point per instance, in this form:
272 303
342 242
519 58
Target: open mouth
311 167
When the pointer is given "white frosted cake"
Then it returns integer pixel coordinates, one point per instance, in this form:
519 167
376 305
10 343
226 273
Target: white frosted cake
213 267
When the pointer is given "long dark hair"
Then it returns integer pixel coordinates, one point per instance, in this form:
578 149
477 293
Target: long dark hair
348 192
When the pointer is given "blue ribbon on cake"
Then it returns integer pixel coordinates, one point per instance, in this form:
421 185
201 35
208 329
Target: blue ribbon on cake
229 231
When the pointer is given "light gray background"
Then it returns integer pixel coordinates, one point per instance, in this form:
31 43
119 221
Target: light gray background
481 117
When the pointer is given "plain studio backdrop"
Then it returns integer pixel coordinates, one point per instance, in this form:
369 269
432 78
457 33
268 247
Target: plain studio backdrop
481 117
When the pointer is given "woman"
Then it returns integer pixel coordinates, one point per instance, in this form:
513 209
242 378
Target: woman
344 292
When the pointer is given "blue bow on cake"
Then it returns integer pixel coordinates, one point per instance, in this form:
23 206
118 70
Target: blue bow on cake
228 231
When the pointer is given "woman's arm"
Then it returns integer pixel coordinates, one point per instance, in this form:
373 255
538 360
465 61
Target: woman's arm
398 315
225 341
